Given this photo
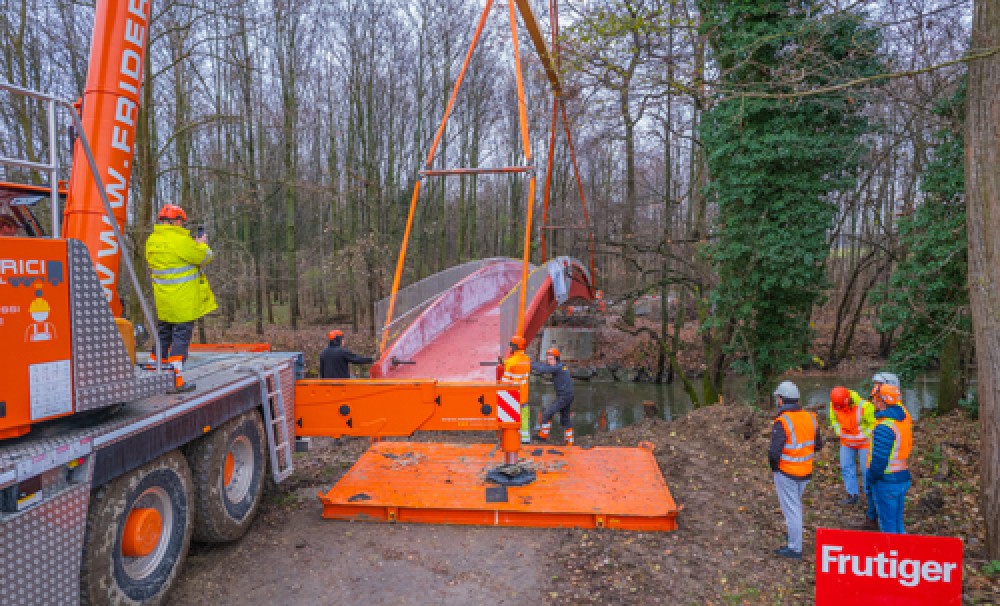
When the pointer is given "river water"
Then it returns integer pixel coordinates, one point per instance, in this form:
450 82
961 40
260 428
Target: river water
606 406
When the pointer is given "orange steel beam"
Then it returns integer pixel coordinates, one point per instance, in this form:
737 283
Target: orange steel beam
380 408
430 159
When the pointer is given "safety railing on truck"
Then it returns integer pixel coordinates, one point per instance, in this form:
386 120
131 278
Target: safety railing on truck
52 169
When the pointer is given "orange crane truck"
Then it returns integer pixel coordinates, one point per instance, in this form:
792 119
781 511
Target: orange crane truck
104 477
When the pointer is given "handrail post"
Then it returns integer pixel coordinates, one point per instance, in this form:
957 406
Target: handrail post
54 168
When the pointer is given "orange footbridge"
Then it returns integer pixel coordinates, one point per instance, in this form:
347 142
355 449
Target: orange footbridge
456 333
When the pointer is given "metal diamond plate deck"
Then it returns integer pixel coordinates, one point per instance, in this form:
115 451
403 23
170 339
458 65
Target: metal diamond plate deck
42 549
42 546
53 443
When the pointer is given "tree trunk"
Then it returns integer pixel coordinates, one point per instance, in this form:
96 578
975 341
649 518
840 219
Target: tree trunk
982 157
950 386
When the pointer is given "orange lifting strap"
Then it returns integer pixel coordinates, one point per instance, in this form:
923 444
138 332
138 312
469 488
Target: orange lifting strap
557 107
551 71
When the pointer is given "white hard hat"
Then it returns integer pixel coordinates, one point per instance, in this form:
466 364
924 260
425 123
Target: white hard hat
887 378
787 390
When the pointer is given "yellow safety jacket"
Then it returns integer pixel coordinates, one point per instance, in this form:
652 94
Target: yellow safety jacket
854 425
180 289
517 369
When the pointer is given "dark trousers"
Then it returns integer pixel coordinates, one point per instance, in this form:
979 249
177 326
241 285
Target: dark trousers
175 339
560 405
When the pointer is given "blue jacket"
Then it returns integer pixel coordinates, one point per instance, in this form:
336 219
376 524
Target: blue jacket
883 439
561 378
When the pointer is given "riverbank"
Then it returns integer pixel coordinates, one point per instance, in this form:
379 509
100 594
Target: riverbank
715 464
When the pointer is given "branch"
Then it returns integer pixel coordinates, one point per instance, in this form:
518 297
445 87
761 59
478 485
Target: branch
868 79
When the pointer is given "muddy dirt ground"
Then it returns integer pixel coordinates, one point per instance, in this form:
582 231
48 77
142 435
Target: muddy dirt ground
715 464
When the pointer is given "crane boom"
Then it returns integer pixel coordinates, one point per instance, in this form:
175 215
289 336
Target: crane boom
110 113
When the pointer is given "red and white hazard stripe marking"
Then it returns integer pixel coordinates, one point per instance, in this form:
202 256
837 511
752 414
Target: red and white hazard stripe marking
509 406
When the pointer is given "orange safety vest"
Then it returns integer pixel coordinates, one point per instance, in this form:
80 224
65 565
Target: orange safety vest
850 427
517 369
901 447
800 442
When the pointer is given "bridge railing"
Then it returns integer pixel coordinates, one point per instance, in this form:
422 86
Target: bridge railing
416 297
508 307
536 279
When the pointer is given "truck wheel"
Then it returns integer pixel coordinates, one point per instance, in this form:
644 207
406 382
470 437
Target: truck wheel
138 532
228 468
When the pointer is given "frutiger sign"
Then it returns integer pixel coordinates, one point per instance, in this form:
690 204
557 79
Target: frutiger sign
879 568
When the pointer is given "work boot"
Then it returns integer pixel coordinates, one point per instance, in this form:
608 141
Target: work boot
868 524
788 552
185 387
543 432
851 499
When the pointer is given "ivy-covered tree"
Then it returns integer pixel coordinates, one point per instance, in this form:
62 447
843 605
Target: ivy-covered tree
777 152
928 296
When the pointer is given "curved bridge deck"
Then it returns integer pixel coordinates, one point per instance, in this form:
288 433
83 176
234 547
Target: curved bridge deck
471 322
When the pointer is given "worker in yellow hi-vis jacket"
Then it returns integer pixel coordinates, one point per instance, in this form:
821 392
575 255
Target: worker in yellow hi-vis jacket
180 289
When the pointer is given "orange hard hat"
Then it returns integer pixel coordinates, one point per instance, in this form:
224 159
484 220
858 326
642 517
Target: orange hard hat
333 334
172 211
839 396
518 342
553 352
889 394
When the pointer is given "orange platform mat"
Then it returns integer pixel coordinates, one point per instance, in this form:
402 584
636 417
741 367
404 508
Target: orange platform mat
446 484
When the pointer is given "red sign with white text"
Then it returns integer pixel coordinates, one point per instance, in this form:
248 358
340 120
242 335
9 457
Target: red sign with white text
893 569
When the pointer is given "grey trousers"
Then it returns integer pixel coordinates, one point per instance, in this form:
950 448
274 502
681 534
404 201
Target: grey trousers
790 497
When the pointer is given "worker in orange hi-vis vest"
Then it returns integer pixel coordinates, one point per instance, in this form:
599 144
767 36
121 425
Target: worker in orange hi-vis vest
517 370
795 438
853 420
888 460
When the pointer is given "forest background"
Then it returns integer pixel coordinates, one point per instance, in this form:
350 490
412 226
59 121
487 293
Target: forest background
780 172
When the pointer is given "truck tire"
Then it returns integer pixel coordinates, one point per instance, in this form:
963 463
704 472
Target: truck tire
138 533
228 467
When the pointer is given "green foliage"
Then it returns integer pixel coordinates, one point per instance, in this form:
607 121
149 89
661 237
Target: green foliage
927 299
970 404
774 164
992 568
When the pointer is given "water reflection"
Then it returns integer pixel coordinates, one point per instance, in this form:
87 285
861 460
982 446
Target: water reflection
600 407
